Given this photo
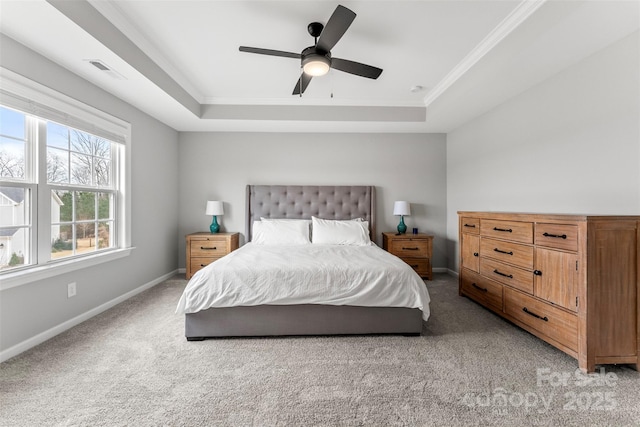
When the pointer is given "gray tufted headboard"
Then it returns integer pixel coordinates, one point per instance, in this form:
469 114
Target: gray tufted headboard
304 201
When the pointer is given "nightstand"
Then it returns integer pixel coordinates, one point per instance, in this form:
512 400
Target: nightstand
204 247
414 249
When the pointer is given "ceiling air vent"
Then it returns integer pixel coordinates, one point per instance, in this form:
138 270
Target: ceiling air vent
106 69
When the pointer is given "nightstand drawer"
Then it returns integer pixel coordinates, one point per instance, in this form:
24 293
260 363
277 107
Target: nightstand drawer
199 263
420 265
208 248
408 247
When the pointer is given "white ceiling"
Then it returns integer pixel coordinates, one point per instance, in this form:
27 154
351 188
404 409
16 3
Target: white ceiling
181 64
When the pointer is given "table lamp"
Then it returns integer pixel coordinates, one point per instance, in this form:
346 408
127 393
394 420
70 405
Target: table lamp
402 208
214 208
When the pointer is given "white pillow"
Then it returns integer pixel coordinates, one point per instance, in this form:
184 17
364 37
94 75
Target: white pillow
336 232
281 233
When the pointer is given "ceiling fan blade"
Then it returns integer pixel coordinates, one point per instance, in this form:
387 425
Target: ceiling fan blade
302 84
337 25
269 52
351 67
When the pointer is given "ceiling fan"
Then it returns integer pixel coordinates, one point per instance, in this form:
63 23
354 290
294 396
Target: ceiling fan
316 60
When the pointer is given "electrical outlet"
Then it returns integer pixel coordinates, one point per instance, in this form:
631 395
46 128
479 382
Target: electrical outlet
71 290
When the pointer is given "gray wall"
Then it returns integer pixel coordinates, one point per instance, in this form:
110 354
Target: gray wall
569 145
34 308
218 166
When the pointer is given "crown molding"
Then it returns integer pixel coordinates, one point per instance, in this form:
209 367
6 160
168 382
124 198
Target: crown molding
520 14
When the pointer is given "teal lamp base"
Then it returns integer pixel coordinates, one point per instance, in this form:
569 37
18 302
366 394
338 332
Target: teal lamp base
402 228
214 228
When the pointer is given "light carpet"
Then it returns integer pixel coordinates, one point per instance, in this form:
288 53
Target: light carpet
131 366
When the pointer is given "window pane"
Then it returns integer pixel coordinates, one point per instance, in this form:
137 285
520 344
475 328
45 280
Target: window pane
14 248
57 136
80 169
57 165
104 234
85 237
103 178
82 142
85 205
61 241
61 206
12 163
104 206
103 148
13 206
12 123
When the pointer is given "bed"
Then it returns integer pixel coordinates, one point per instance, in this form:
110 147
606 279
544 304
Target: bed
386 297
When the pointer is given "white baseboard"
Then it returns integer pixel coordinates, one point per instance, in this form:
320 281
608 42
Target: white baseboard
56 330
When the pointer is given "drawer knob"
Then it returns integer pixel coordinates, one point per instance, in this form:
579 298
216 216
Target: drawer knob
503 252
508 230
537 272
530 313
557 236
476 254
479 288
510 276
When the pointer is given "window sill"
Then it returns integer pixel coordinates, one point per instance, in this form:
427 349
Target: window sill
29 275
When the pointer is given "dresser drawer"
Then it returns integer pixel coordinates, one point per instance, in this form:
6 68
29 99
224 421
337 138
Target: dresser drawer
208 248
420 265
409 247
544 318
199 263
509 230
507 274
559 236
512 253
470 225
482 290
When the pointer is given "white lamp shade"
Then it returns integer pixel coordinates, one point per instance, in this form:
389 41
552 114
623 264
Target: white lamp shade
402 208
214 208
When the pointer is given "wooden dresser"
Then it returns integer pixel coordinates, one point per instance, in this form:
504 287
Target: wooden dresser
203 248
414 249
571 280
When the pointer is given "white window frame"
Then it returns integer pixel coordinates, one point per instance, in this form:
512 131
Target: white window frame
31 97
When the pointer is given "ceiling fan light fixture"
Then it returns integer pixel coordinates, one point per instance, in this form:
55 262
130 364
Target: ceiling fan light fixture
316 65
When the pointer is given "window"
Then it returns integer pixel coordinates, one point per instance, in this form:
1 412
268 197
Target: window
63 180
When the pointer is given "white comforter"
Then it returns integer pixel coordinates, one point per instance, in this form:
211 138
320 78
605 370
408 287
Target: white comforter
306 274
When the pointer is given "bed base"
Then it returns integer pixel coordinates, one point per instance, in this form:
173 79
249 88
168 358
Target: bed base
303 319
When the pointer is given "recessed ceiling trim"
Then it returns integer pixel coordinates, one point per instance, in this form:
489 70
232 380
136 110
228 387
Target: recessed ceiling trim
114 14
520 14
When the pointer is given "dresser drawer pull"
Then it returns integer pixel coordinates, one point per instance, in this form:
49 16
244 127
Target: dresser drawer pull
415 266
203 265
559 236
470 225
502 252
537 272
410 249
510 276
208 249
479 288
545 318
508 230
476 254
